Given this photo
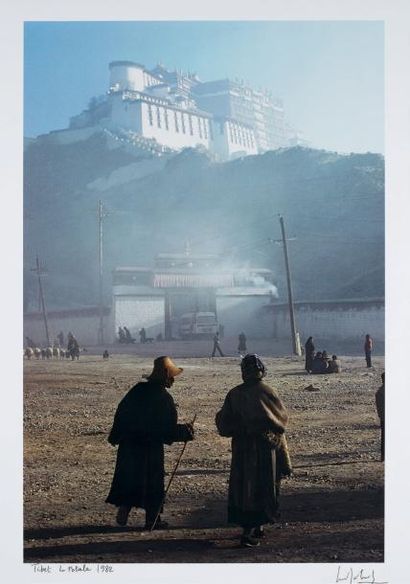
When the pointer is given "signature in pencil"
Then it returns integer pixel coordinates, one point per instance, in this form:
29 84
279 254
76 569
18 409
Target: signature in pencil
357 576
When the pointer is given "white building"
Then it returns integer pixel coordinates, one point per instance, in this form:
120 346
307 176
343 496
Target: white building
156 298
178 111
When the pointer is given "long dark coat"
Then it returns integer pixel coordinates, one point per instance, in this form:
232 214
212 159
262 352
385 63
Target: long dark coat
252 415
145 420
309 354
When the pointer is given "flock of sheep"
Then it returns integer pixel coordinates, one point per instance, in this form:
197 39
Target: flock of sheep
48 353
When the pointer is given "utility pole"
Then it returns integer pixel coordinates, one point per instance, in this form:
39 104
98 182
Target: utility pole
39 271
100 333
295 343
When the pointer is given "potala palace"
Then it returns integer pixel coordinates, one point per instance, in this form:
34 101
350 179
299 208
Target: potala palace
172 110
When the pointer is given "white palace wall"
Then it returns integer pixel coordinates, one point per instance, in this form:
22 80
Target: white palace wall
173 127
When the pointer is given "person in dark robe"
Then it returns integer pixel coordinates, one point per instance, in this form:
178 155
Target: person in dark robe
255 418
319 365
121 335
73 347
60 338
145 420
309 354
380 413
368 348
128 337
242 343
143 335
217 345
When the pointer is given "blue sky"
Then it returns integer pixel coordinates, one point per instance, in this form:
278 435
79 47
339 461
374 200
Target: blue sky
330 74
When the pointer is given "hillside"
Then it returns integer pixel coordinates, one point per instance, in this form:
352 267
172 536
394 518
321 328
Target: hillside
333 207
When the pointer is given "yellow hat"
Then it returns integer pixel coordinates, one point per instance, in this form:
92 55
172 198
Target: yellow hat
164 367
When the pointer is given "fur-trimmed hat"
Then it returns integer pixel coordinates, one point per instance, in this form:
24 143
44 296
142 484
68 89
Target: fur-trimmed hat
164 368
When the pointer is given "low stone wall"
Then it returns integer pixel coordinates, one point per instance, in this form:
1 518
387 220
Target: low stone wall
343 320
83 323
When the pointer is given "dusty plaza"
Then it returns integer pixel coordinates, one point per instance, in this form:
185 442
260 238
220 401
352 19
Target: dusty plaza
332 507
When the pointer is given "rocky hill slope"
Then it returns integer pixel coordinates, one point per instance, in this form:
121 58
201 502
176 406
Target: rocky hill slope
333 206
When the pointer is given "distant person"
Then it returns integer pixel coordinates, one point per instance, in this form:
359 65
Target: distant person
334 365
217 346
128 337
143 335
380 413
255 418
30 342
309 354
106 354
121 335
368 348
159 337
60 338
318 364
242 343
73 347
145 420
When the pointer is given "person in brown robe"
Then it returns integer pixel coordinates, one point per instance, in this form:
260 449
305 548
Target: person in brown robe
255 418
145 420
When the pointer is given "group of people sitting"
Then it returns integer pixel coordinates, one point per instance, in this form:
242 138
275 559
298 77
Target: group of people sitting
320 362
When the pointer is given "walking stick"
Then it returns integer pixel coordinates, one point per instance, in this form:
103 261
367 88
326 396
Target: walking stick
170 480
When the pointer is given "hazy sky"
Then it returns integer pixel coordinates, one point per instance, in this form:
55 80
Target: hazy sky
330 74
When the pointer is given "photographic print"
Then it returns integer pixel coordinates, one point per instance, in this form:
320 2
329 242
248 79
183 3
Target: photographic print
206 197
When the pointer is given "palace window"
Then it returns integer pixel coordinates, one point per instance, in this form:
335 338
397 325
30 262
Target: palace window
176 122
211 132
183 122
191 129
200 127
158 117
205 128
150 115
166 119
235 136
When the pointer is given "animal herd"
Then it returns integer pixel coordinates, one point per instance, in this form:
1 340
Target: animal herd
47 353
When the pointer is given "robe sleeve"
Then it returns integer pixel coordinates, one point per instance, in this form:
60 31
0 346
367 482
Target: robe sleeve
224 419
114 436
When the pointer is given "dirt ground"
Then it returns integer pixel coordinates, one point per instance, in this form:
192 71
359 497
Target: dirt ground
332 507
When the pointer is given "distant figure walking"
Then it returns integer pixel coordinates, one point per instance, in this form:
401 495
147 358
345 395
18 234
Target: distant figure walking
106 354
30 342
143 335
242 344
368 348
309 354
73 347
217 346
380 413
